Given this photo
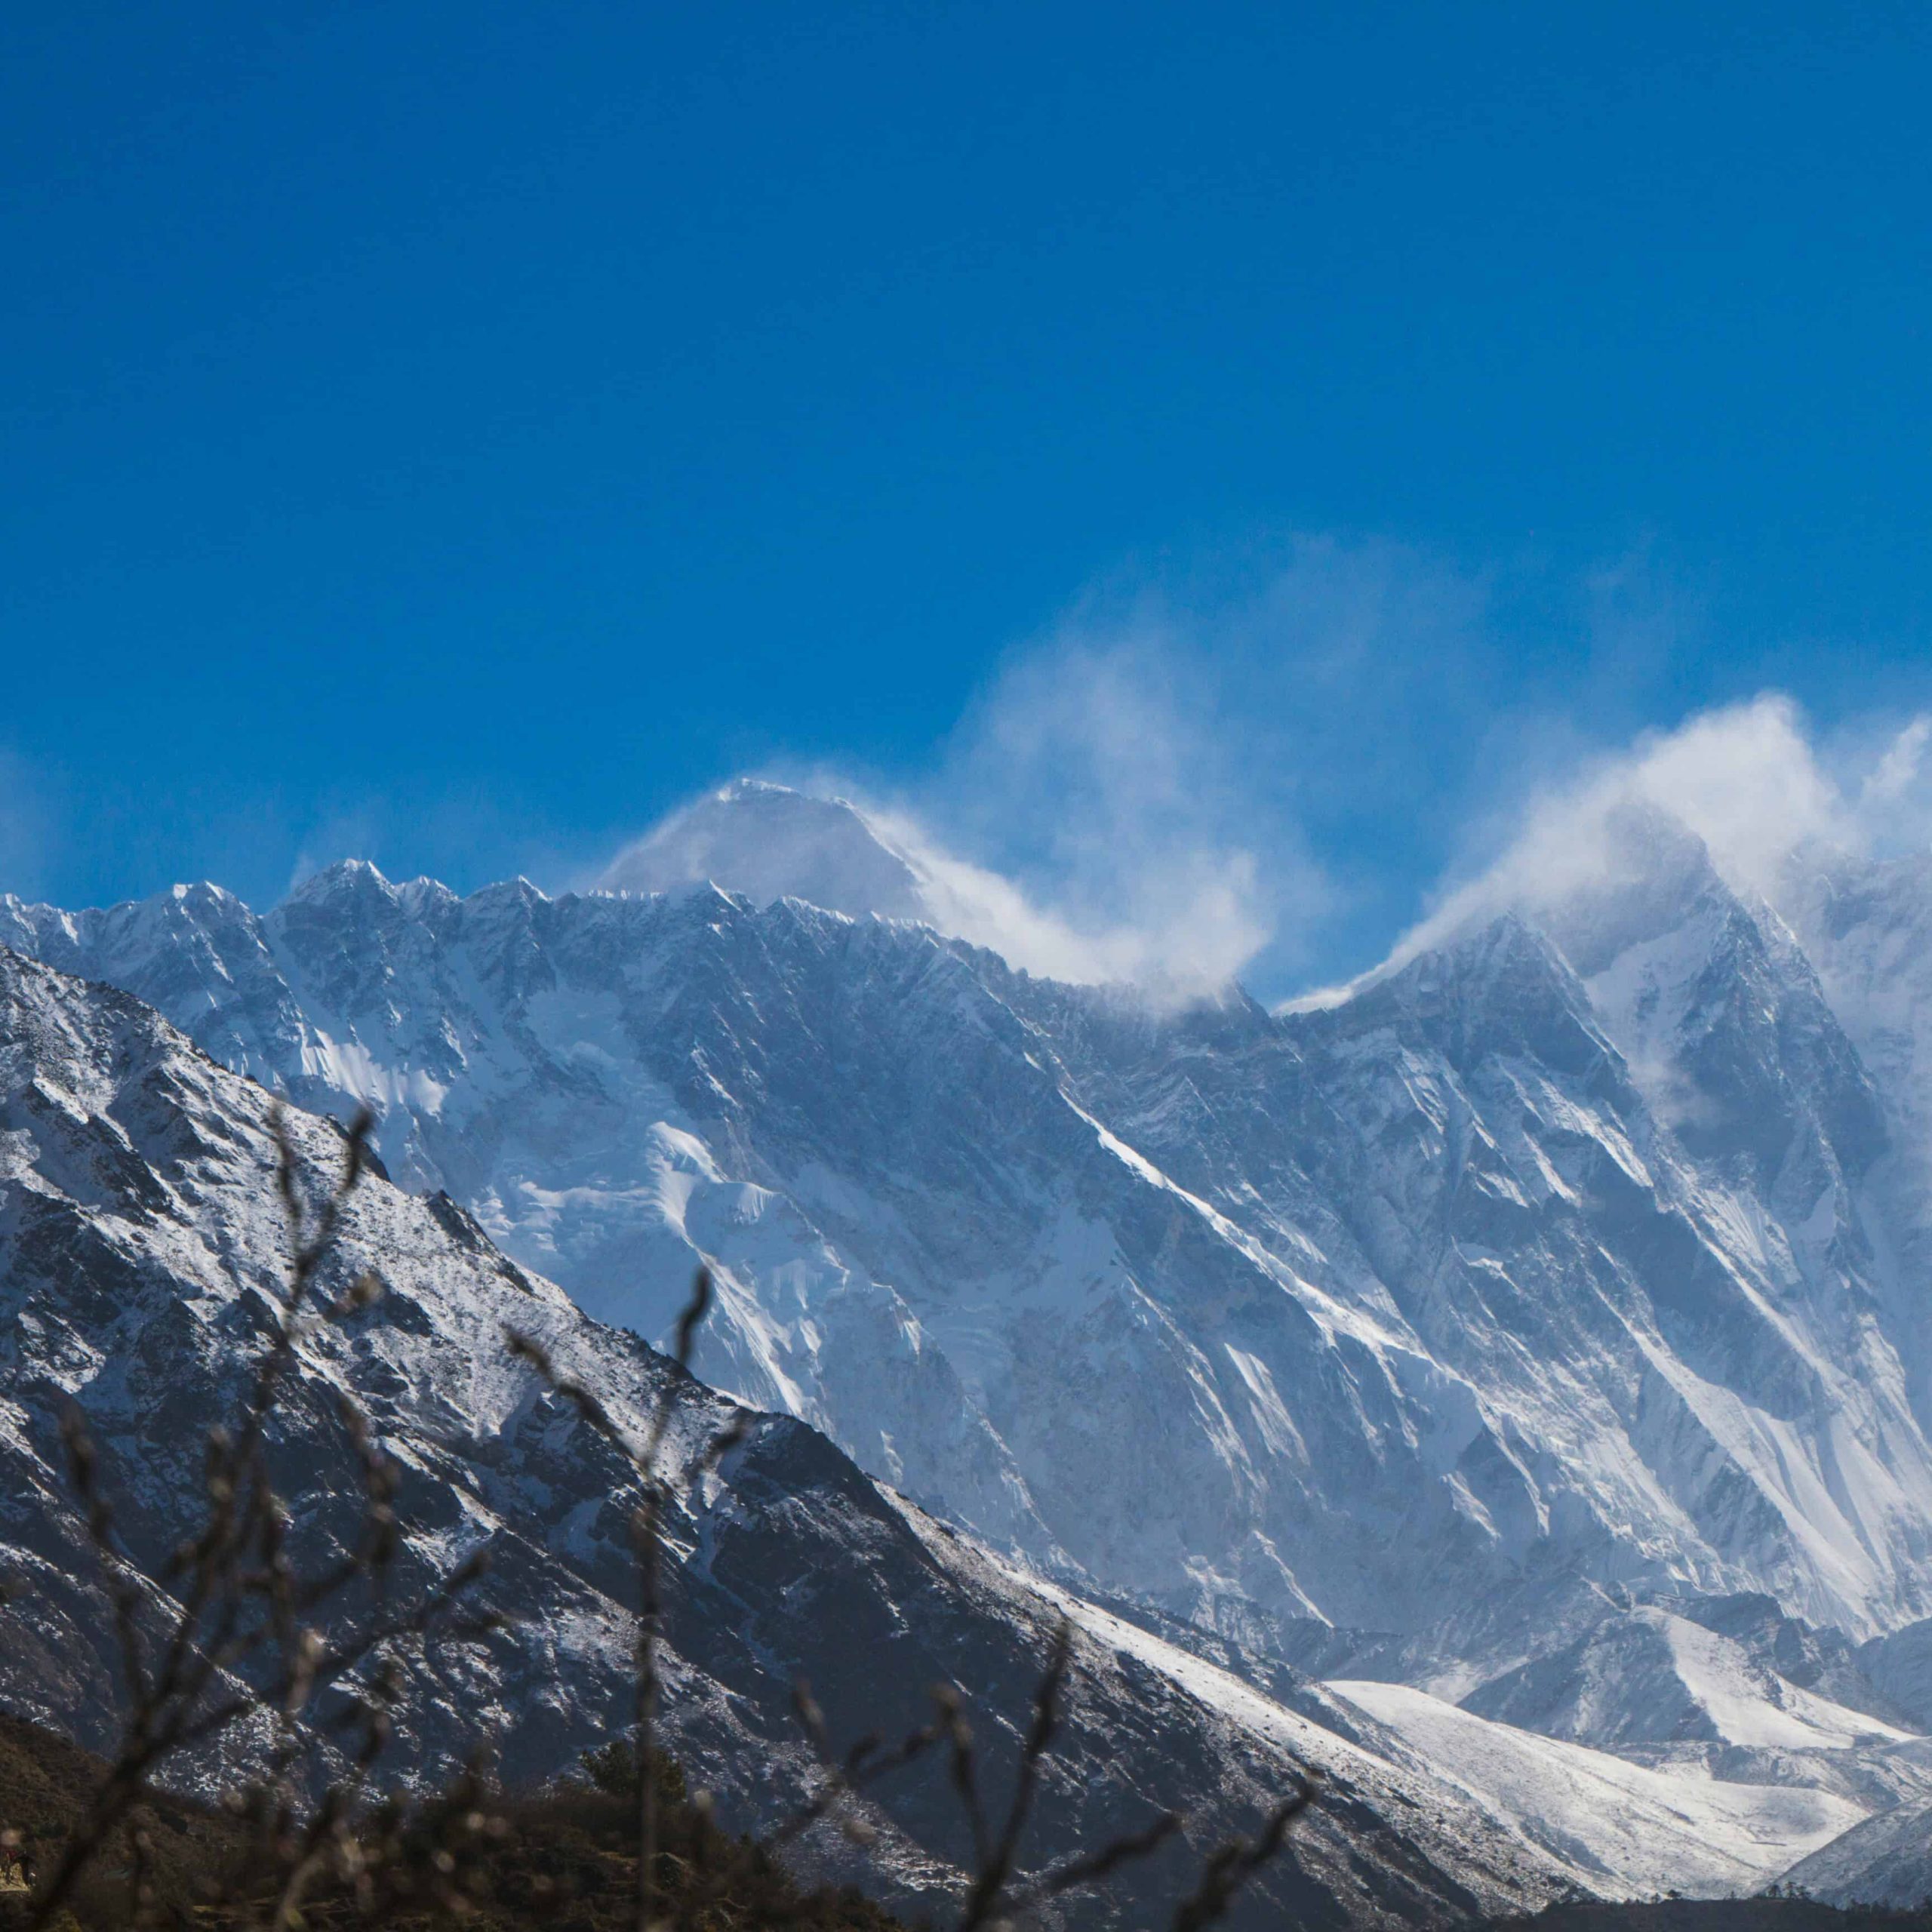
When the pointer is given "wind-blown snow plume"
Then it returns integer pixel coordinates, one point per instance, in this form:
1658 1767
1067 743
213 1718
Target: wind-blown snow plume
771 841
1162 767
1250 771
1083 769
1136 794
1753 781
1096 767
1093 775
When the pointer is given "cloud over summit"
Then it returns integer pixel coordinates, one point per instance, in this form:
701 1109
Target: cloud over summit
1136 899
1268 766
769 841
1753 783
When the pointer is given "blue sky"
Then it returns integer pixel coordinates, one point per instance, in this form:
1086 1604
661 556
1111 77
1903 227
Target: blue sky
452 434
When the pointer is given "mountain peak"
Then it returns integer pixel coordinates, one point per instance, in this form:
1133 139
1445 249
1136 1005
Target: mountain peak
769 841
1497 985
345 879
1650 872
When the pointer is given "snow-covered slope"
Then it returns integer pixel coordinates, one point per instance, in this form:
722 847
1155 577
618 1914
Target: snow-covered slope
1866 926
1653 1677
140 1248
1624 1830
767 842
1885 1860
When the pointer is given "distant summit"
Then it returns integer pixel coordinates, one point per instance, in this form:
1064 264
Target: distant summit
768 842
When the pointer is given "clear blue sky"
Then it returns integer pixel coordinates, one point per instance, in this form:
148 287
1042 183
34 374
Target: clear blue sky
456 432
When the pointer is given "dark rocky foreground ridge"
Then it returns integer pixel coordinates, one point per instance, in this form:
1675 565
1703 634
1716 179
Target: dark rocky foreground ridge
142 1249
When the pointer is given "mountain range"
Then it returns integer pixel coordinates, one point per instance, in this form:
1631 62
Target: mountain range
1529 1342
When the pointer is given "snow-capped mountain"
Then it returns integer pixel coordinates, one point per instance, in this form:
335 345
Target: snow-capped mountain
1866 925
141 1248
1570 1267
769 842
1349 1314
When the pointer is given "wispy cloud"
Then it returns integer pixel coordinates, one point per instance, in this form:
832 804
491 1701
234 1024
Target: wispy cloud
1095 769
1754 781
1137 792
1246 767
1159 767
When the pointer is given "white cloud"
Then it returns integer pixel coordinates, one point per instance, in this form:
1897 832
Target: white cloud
1894 809
1156 769
1746 779
1114 784
1094 768
823 841
1191 942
